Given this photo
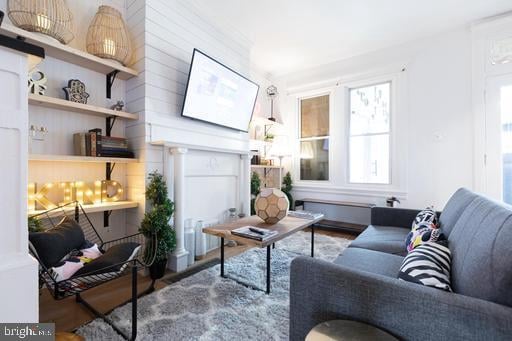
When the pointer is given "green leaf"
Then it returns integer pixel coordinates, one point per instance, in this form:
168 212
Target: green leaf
156 219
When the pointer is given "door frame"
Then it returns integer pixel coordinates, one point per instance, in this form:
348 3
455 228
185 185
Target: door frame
493 164
483 34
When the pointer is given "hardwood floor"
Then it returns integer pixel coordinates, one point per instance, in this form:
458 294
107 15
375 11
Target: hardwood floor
69 315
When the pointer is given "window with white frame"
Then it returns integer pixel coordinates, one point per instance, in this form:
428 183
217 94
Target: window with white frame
369 134
314 138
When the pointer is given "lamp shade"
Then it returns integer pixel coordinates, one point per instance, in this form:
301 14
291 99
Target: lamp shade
107 36
280 147
50 17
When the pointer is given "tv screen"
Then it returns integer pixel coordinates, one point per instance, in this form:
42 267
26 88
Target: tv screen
218 95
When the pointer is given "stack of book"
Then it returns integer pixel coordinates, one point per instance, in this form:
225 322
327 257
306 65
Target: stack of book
93 143
305 214
253 232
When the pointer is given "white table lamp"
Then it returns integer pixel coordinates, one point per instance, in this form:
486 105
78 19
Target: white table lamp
280 149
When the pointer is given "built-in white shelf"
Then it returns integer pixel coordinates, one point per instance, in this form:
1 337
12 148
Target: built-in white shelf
267 167
62 104
75 158
106 206
69 54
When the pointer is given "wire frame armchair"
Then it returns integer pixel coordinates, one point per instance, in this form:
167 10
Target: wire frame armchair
74 286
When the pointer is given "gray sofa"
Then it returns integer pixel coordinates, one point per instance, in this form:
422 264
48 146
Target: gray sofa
362 283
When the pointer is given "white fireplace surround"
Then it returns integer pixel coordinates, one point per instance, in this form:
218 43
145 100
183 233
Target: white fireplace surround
204 181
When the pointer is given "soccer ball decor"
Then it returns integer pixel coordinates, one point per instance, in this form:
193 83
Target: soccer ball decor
271 205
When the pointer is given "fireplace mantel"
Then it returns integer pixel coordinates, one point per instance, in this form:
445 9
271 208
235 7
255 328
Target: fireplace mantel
168 144
175 158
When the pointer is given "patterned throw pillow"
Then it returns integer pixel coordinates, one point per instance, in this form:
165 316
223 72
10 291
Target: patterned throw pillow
429 264
423 234
427 217
424 229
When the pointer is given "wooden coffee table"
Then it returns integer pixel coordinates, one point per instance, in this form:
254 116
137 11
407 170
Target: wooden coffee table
286 227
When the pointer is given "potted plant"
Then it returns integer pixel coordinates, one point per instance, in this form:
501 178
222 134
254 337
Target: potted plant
156 224
269 137
287 189
255 189
34 224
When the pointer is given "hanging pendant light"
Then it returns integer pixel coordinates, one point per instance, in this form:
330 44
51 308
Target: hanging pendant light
107 36
50 17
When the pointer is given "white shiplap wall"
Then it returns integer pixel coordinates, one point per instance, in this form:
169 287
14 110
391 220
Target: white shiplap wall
165 32
173 29
135 101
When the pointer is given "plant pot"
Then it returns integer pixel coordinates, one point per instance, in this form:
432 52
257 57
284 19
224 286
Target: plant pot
157 269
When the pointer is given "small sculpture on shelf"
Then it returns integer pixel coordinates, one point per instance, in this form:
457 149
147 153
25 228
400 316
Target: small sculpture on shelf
75 91
38 133
118 106
36 82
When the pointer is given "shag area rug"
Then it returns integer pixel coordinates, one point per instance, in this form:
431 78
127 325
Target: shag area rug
205 306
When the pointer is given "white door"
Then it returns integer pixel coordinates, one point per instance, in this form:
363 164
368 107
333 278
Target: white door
498 129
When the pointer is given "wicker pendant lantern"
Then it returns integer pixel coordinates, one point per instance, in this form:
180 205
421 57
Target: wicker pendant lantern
50 17
107 36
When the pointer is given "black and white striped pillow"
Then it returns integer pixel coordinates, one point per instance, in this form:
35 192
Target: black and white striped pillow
428 264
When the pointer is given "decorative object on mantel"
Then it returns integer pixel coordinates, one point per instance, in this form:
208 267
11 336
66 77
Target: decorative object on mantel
36 82
272 94
108 37
50 17
118 106
156 221
271 205
75 91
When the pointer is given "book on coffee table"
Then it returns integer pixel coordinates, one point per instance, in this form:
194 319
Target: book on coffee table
305 214
253 232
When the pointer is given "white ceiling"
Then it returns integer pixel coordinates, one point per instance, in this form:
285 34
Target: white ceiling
291 35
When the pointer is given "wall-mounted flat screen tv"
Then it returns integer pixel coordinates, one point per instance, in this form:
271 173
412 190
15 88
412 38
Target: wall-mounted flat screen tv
218 95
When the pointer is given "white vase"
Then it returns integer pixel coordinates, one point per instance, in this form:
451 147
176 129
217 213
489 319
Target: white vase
200 239
190 245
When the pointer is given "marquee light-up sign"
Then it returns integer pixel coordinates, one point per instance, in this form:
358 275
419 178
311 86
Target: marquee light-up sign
53 194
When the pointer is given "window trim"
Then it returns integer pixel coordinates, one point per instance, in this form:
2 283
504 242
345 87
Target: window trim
389 132
338 184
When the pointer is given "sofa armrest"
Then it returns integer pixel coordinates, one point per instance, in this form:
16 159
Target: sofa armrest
389 216
322 291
